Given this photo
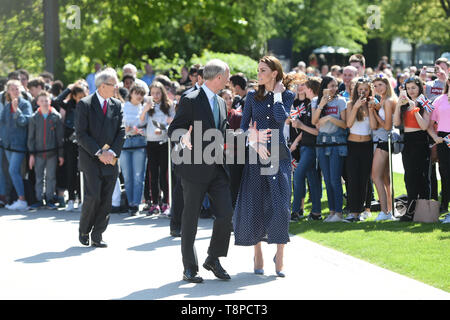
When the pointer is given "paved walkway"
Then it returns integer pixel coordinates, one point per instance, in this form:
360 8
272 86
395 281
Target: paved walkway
41 258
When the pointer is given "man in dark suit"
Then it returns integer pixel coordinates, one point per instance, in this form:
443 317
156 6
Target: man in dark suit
100 135
199 111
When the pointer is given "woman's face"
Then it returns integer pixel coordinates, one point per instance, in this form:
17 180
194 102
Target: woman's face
156 94
265 74
301 89
379 88
228 100
79 96
137 98
128 83
309 93
412 89
363 90
332 86
14 91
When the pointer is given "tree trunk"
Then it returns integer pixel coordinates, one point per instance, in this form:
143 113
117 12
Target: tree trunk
413 53
51 38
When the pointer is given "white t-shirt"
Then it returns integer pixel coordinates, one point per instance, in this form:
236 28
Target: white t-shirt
334 109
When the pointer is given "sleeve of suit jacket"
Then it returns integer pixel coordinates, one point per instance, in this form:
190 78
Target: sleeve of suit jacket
82 129
119 139
183 117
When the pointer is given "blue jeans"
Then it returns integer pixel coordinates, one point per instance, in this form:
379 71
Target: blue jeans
15 162
2 175
306 168
332 166
133 164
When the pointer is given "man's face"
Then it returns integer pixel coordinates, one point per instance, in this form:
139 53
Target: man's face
193 78
224 78
35 90
43 102
108 88
358 67
348 76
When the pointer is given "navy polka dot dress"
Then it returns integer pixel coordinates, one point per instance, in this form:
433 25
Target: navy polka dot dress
262 209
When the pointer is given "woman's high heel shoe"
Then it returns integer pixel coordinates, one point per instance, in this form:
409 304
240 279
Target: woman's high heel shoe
258 271
279 273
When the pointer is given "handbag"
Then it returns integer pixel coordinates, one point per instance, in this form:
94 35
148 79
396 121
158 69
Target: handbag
426 211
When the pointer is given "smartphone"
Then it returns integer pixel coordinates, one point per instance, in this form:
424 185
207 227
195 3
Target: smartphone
431 69
327 92
148 99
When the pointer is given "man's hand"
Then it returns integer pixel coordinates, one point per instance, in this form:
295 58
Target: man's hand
106 157
61 161
186 139
31 161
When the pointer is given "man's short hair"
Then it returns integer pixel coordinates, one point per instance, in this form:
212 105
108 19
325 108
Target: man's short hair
105 75
24 73
36 82
358 58
130 66
200 71
194 69
47 75
214 68
14 75
43 93
239 79
442 60
351 68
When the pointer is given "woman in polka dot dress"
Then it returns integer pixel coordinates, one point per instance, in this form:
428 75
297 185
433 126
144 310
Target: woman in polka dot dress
262 210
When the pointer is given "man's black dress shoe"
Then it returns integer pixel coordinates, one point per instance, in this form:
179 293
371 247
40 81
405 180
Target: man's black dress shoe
84 239
99 244
191 276
175 233
213 264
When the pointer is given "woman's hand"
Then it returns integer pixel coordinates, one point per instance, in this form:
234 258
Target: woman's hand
297 124
279 87
293 146
15 104
158 131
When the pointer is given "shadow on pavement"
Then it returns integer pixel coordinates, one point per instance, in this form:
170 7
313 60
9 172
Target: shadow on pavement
47 256
209 288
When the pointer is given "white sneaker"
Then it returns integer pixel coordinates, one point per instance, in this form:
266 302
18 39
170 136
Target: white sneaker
446 219
384 216
70 205
18 205
365 215
80 206
329 217
335 218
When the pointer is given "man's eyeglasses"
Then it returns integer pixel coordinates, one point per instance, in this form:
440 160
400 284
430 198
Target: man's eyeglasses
115 85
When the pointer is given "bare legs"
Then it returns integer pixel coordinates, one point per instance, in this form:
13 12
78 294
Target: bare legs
380 177
259 261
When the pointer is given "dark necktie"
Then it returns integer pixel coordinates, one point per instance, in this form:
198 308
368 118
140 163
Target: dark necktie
104 107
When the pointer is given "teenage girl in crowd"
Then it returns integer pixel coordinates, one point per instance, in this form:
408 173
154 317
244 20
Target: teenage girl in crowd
329 117
381 125
160 112
307 167
416 154
360 149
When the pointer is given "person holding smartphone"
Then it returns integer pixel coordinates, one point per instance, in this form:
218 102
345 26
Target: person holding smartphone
329 116
416 153
133 156
158 113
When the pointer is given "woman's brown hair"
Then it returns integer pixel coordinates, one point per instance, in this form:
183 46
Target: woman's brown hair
355 97
275 65
164 105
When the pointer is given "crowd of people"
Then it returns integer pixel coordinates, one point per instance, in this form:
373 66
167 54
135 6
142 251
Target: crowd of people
338 131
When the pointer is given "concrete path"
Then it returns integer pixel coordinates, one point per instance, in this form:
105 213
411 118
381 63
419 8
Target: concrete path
41 258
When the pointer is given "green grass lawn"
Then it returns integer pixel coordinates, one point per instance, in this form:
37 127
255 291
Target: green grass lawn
417 250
